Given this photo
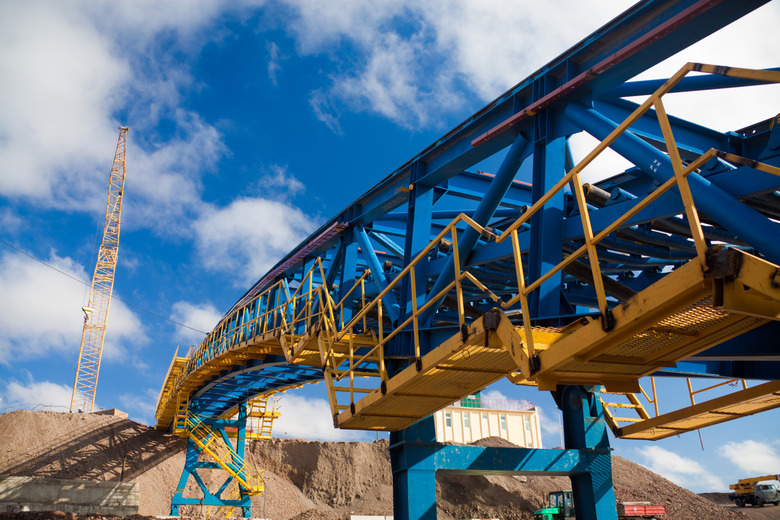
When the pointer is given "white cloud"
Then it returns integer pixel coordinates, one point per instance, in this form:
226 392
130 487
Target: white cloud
607 164
39 395
753 457
202 316
40 312
550 424
729 109
10 221
276 181
68 69
682 471
141 406
309 418
494 44
494 394
163 186
249 236
325 111
412 62
60 84
274 65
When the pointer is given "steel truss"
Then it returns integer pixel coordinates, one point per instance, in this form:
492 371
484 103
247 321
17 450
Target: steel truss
443 278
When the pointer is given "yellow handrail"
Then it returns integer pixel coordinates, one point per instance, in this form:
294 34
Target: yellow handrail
289 315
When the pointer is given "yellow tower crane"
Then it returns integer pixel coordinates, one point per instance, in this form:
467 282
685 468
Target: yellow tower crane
96 311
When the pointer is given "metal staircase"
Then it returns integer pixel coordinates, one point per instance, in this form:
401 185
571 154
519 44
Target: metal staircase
224 454
261 413
726 407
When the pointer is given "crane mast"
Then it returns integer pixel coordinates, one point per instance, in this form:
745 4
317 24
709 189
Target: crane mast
96 311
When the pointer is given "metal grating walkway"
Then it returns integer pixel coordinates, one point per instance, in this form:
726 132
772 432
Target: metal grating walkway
682 314
733 406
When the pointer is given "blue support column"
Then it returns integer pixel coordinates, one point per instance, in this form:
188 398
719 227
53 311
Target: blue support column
415 457
412 458
584 429
418 236
547 226
418 233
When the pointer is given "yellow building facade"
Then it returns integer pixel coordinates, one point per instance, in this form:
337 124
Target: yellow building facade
474 418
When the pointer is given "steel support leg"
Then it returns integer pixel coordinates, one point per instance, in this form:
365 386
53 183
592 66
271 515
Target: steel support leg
415 457
584 429
192 464
414 471
547 227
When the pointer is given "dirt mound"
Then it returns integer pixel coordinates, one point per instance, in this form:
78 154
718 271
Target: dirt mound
303 479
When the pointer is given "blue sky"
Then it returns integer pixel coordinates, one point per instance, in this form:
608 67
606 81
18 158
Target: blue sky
250 124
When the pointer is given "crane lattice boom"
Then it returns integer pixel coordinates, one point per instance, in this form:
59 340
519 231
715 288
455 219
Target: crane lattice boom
96 312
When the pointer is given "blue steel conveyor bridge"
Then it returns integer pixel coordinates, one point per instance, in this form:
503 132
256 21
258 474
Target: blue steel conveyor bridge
442 278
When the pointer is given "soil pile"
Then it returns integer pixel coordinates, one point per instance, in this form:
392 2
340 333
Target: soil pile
303 479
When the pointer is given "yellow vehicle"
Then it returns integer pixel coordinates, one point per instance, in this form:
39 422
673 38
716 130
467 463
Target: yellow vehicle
748 491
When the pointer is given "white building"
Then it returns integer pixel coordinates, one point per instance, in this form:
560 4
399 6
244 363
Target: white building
474 418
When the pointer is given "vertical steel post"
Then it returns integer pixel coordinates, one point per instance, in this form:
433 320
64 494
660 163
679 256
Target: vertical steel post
414 471
584 429
547 226
418 236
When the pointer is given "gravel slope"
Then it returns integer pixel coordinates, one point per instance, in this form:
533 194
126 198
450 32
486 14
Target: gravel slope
304 479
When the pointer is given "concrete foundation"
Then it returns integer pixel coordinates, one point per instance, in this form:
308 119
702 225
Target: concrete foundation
70 496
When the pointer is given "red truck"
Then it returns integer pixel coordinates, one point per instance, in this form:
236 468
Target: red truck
639 510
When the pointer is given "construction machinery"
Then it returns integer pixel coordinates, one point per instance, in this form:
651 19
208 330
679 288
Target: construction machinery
748 491
96 311
561 507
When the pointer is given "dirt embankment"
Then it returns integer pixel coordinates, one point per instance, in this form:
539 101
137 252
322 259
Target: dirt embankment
303 479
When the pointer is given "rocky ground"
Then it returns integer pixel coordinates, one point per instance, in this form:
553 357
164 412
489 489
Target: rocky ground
303 479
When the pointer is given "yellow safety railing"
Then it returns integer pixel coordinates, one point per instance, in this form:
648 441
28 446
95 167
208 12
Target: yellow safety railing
311 310
524 289
647 400
274 311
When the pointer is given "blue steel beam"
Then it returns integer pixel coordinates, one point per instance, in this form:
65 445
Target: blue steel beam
377 272
731 214
693 140
448 215
482 215
689 84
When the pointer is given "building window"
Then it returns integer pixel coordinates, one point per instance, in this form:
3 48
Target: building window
502 418
467 421
484 416
527 423
448 419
